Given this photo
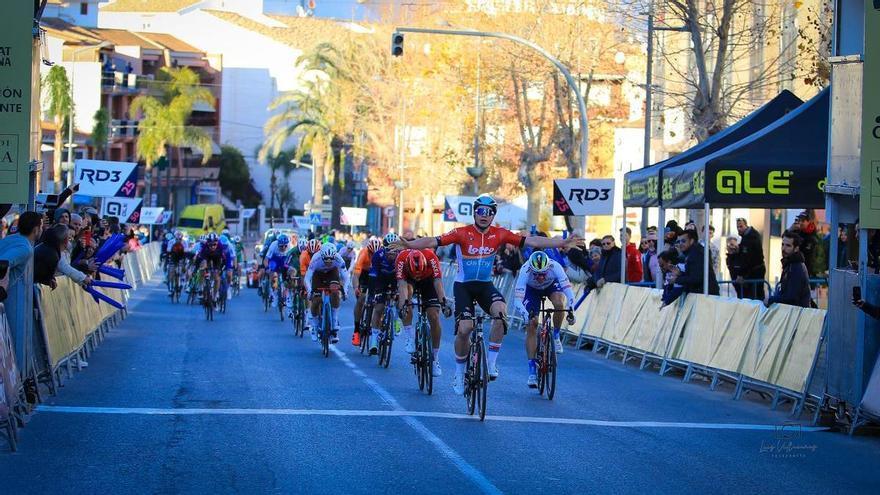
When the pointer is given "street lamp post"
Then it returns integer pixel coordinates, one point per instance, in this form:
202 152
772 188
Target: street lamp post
582 107
70 145
573 86
649 111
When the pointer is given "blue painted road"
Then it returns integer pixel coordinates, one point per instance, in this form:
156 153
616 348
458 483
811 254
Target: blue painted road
173 404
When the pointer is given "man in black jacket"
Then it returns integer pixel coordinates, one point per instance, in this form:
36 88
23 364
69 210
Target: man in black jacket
751 261
609 265
794 285
691 279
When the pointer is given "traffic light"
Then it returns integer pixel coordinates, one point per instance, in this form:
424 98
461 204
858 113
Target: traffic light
397 44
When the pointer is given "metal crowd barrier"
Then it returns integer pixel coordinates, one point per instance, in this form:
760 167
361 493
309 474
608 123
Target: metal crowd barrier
10 386
72 325
725 339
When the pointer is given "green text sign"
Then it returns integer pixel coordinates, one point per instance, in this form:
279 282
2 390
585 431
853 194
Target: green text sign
16 42
869 201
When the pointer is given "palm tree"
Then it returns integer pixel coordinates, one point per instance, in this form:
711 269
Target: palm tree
163 123
321 113
58 105
101 131
280 162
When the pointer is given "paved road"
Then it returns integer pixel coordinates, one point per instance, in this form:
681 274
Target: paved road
172 404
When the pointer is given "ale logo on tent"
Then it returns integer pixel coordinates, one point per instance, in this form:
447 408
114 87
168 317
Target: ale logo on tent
652 187
740 181
667 188
699 183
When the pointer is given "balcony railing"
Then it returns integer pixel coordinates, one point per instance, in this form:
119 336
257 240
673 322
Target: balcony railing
123 128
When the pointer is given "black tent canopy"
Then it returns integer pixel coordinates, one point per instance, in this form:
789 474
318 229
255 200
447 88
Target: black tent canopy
782 165
641 188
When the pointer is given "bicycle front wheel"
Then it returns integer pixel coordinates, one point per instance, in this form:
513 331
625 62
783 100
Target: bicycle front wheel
550 356
428 360
483 392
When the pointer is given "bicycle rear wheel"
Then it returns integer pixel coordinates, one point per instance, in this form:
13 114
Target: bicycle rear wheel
471 378
365 328
299 320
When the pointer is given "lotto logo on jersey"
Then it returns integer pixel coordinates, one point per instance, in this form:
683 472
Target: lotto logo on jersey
480 251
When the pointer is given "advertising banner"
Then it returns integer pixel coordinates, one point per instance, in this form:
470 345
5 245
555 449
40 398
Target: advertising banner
459 209
353 216
127 210
151 215
106 179
16 30
869 199
581 197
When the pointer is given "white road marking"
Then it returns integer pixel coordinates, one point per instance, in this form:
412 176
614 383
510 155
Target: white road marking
448 452
403 413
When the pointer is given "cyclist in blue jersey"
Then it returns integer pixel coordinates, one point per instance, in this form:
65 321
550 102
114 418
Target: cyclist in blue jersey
383 278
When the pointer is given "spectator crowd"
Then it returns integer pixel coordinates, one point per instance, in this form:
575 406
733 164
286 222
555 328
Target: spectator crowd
680 266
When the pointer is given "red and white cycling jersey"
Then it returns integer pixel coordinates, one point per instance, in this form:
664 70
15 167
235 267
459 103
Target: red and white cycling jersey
475 251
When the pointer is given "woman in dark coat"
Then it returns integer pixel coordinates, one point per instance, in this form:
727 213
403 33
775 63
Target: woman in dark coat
47 254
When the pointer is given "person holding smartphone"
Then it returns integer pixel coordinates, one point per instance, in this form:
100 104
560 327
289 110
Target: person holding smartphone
869 309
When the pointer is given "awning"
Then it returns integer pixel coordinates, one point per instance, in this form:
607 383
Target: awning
641 188
781 166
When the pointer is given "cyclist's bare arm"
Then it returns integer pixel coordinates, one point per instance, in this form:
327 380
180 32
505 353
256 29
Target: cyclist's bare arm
424 242
402 290
553 242
438 286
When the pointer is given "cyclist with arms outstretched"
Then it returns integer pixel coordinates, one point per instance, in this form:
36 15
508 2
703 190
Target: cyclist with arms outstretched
476 246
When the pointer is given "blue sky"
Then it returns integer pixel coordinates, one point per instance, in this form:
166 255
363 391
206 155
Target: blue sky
339 9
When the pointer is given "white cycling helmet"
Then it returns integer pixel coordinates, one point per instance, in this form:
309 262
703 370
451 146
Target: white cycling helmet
328 251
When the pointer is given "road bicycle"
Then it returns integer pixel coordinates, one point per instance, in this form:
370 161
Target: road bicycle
175 282
366 323
423 357
236 280
389 324
279 295
208 294
224 290
324 333
265 287
476 376
546 353
298 311
195 282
